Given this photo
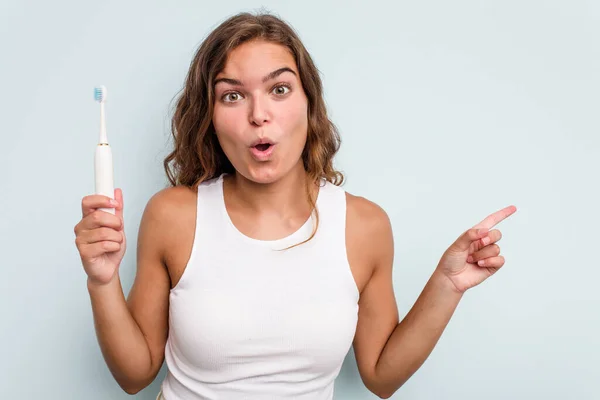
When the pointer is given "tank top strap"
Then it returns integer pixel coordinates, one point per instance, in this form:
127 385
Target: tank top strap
207 229
332 215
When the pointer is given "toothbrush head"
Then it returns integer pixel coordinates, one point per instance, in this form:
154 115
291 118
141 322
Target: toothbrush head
100 94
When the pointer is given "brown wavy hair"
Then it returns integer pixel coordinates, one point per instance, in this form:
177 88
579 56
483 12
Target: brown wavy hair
197 155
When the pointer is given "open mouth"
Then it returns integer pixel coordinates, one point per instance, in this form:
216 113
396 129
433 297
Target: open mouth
263 146
262 150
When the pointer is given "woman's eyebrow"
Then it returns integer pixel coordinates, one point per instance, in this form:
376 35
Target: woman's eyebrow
272 75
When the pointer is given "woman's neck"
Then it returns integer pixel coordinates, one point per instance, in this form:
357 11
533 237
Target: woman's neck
284 198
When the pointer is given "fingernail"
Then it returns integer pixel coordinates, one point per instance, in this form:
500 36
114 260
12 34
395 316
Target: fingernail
480 262
485 240
114 203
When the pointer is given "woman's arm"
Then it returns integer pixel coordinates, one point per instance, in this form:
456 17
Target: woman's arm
389 352
132 332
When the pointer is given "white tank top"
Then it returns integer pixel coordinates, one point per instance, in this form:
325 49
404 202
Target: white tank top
249 322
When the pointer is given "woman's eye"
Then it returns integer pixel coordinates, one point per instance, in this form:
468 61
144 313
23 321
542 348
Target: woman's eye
229 97
281 89
232 97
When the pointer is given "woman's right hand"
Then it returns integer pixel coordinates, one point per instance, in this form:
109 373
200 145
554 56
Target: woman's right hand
100 237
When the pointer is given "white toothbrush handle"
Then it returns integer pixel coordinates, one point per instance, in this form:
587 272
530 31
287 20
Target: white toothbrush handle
103 168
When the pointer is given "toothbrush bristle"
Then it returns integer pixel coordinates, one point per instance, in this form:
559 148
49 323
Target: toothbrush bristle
100 93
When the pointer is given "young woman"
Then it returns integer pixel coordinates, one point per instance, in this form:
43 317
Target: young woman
256 271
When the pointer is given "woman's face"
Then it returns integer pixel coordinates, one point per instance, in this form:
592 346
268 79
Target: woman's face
261 111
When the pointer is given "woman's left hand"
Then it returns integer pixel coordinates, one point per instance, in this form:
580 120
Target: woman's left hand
475 256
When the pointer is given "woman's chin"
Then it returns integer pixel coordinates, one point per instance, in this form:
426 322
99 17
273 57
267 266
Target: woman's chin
266 173
262 174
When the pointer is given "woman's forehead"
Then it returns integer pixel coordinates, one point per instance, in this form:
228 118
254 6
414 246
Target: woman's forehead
255 60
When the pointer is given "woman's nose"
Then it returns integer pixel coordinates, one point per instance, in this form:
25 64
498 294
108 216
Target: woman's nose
259 114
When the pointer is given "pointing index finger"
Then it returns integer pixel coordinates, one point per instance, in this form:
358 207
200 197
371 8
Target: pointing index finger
497 217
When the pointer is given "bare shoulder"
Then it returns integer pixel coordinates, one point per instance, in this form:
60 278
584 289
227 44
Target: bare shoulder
367 219
366 209
171 215
168 207
168 202
369 238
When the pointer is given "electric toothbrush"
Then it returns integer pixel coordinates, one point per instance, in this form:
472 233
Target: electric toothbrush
103 161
